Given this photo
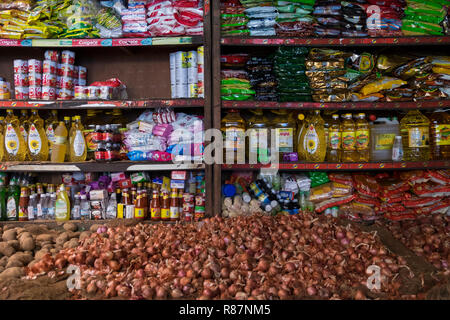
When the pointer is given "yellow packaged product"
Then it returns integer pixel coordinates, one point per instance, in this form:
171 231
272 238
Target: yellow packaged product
340 190
441 70
35 29
17 22
387 63
321 193
10 35
441 61
384 83
356 96
12 28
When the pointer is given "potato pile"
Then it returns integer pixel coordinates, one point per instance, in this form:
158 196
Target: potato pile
23 246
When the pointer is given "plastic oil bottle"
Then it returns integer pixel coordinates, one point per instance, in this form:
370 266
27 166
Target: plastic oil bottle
348 132
259 137
284 127
15 149
60 144
362 138
440 135
37 139
2 139
414 129
50 126
334 140
302 120
233 130
382 137
77 143
313 142
62 205
68 126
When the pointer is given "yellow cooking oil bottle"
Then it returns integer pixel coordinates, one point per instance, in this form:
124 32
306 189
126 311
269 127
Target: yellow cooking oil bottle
414 129
62 205
285 130
233 130
37 139
362 138
312 141
60 144
50 126
301 122
24 126
15 148
258 138
348 133
68 126
440 135
77 143
2 139
334 144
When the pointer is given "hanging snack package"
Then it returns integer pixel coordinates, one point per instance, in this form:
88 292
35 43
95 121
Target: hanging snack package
81 22
108 23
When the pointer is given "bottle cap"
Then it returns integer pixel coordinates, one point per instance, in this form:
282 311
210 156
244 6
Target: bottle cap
228 190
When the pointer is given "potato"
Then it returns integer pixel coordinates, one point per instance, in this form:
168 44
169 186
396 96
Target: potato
3 261
14 272
27 243
85 234
14 263
69 226
9 235
19 230
71 243
6 249
44 237
94 227
22 257
63 237
40 254
14 243
23 234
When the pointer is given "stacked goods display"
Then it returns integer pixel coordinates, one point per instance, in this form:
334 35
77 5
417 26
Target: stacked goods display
339 76
359 197
99 19
318 18
241 258
5 89
161 135
87 196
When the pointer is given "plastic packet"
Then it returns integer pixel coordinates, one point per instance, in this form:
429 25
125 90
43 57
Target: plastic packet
384 83
340 190
318 178
321 193
366 185
24 5
333 202
263 32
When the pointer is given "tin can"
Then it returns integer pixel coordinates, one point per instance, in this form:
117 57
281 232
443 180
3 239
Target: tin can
34 66
67 70
66 83
52 55
20 66
93 92
65 94
81 82
200 89
35 79
49 80
105 93
35 92
181 74
59 69
76 82
5 90
192 90
82 72
182 90
20 80
191 60
76 72
81 93
199 213
49 66
48 93
200 200
200 72
21 93
68 57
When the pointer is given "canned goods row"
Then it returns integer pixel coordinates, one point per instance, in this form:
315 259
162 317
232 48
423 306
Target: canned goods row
67 57
33 66
93 93
186 73
42 93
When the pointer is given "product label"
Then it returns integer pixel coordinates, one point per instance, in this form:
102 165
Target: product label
23 212
78 144
311 141
30 212
89 136
34 141
76 212
60 140
155 213
165 213
174 213
285 138
84 213
11 140
418 137
234 139
61 209
39 210
442 134
348 140
139 212
51 213
384 141
334 140
50 133
362 139
258 143
11 209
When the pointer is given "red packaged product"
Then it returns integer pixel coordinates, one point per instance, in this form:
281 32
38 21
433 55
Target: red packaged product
439 176
368 201
322 206
431 190
414 176
405 216
366 185
393 186
423 210
416 202
341 178
442 208
396 197
234 60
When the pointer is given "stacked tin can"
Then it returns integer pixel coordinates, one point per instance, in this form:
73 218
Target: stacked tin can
49 76
21 84
200 72
66 75
186 73
5 89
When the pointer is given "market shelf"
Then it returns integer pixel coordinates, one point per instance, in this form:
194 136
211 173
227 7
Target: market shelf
91 166
260 41
434 104
121 42
328 166
102 104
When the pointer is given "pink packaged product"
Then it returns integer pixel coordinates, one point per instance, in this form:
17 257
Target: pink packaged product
162 130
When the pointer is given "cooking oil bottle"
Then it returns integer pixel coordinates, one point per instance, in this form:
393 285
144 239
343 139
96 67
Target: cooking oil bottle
440 135
62 205
259 137
37 139
348 132
60 144
233 130
362 138
2 139
15 149
302 120
24 125
312 141
334 140
68 126
284 126
414 129
89 130
50 126
77 143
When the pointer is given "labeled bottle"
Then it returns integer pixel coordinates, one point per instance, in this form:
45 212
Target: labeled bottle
15 148
415 131
313 140
75 213
67 124
259 138
60 144
12 202
440 135
362 138
78 150
302 120
2 139
397 149
334 140
165 206
41 204
85 208
111 208
23 204
155 207
3 199
233 130
37 139
62 206
284 127
139 207
50 126
32 207
348 132
174 206
23 127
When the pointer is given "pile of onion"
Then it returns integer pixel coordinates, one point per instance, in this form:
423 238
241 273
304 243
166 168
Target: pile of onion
427 236
283 257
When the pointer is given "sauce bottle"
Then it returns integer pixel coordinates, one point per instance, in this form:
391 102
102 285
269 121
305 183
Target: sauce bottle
62 205
89 132
23 204
165 206
12 203
348 139
139 207
155 207
15 149
440 135
174 206
362 138
37 139
3 196
78 150
60 144
334 140
233 130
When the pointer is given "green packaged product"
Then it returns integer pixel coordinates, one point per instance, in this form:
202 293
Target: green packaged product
295 97
237 97
318 178
291 51
228 91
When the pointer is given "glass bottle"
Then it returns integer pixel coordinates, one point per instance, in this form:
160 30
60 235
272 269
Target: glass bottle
12 203
23 204
3 198
415 128
155 207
